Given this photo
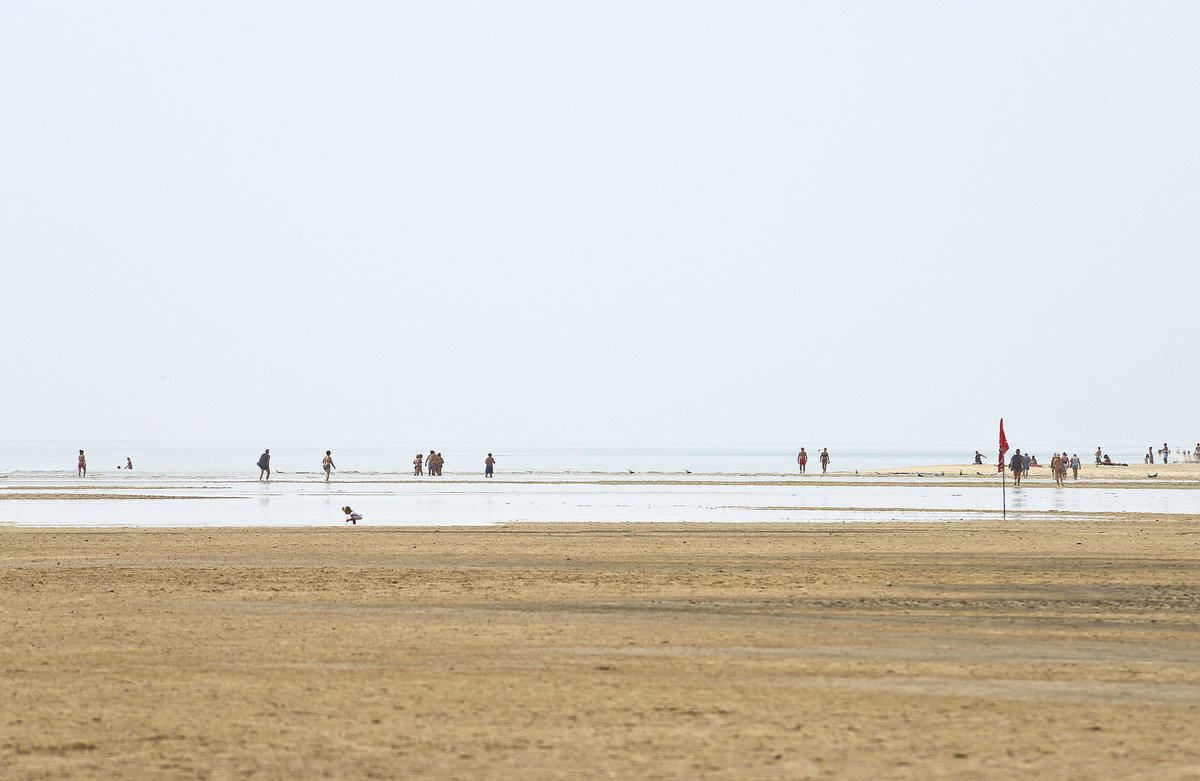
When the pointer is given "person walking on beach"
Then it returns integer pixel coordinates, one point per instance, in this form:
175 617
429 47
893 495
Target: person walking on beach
1099 455
82 465
264 464
1075 464
327 464
1017 465
417 472
802 460
978 458
824 459
1056 468
488 464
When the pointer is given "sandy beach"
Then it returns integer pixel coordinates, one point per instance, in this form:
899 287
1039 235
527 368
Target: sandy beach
1178 474
982 650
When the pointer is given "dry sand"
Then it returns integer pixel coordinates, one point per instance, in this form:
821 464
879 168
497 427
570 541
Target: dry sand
1058 650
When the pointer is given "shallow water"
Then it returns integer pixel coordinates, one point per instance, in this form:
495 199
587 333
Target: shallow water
214 484
551 498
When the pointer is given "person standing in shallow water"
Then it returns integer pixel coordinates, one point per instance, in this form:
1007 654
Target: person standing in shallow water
488 464
824 459
327 464
264 464
802 460
82 465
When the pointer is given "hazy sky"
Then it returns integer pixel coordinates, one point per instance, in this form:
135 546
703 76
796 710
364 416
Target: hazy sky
649 221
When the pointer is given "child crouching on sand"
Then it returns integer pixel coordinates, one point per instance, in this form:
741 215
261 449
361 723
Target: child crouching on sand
351 516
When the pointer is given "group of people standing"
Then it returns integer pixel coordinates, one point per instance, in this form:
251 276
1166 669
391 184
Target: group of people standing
1020 465
1059 465
802 460
433 462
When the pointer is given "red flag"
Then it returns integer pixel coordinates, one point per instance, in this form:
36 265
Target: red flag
1003 445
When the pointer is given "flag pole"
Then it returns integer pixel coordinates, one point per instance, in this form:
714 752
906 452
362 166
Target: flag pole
1003 484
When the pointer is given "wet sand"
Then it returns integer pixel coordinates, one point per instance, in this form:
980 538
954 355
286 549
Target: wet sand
891 650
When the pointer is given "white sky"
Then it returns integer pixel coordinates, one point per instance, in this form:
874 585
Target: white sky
648 221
